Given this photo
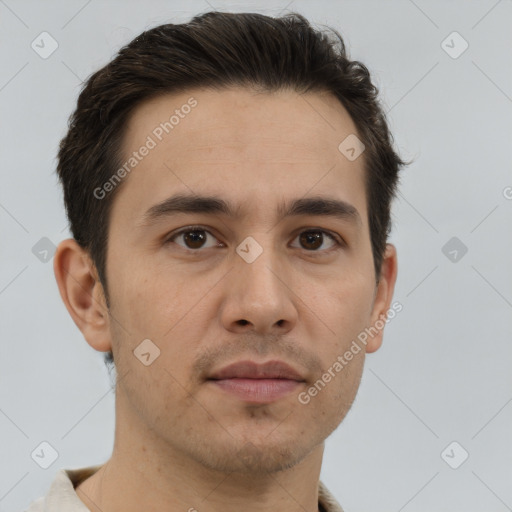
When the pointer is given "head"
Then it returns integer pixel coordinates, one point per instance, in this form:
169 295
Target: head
248 111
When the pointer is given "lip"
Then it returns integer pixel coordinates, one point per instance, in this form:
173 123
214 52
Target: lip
251 370
257 391
257 383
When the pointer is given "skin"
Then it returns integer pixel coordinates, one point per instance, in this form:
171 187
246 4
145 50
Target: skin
181 443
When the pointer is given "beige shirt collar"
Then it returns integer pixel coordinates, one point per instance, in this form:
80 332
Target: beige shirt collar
61 496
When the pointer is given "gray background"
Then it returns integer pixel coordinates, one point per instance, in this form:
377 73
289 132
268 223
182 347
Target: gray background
443 373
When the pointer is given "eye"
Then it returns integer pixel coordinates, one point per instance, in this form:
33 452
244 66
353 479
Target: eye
313 239
194 237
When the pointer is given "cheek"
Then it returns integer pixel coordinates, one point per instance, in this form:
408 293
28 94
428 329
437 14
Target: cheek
164 311
162 305
146 304
157 308
345 305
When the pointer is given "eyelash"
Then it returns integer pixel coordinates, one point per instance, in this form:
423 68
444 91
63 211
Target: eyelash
339 242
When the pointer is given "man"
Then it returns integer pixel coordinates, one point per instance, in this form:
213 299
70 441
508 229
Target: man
228 183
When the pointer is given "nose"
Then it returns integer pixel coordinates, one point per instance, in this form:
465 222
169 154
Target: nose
259 297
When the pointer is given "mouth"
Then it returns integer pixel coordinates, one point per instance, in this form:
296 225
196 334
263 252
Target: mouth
257 383
257 391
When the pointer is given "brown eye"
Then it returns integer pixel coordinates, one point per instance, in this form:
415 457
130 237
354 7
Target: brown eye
312 240
193 238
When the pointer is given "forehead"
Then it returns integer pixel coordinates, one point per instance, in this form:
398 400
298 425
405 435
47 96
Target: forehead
238 143
241 116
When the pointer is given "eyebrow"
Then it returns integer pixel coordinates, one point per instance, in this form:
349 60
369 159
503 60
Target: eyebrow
312 206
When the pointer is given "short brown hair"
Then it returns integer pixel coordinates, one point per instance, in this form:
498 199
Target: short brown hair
217 50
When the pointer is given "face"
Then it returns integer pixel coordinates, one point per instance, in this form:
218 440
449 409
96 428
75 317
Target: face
212 286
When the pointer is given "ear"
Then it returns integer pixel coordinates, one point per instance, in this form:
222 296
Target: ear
82 293
382 301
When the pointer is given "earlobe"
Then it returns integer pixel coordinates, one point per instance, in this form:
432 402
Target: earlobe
383 297
82 293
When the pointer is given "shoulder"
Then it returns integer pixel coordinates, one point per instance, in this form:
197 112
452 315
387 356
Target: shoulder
61 495
36 506
326 500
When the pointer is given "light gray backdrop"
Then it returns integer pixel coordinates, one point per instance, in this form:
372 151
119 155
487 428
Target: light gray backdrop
443 373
